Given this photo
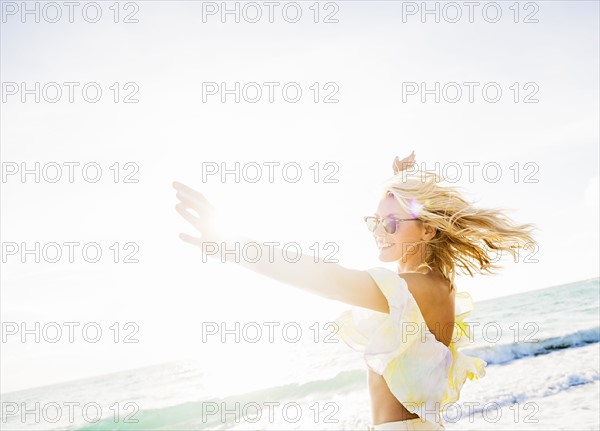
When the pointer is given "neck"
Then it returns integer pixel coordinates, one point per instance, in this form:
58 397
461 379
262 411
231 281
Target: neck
411 265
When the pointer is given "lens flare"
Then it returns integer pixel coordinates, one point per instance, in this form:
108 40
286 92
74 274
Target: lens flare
415 208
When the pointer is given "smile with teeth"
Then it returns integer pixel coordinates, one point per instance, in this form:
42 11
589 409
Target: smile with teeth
382 244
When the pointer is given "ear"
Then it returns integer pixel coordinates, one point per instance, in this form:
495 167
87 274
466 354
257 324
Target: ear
429 232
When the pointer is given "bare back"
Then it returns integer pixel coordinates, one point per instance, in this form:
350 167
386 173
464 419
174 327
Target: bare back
436 302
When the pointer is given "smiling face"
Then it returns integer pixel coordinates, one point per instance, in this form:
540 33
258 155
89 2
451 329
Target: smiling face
406 244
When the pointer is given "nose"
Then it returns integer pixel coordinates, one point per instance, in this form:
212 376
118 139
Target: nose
379 230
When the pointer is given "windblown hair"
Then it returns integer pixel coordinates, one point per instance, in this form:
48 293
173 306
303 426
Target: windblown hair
468 240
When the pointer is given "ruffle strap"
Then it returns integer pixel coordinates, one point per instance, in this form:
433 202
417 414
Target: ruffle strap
422 373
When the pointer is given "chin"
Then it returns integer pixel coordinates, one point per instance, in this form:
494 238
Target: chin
383 257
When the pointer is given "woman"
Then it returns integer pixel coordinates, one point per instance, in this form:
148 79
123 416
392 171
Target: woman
409 324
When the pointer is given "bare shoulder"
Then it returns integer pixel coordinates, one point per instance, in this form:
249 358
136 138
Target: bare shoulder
429 290
436 302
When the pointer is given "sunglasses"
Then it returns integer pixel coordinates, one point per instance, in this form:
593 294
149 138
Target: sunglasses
390 224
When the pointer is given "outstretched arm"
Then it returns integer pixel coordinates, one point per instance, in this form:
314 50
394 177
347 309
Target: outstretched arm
325 279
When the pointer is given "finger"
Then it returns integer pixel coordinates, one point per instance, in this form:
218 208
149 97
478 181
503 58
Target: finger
190 239
181 209
188 191
404 164
187 202
411 157
200 207
194 196
399 163
395 165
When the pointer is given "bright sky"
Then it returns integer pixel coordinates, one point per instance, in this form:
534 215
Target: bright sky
368 54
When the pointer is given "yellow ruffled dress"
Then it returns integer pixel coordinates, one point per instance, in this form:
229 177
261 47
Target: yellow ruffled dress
424 374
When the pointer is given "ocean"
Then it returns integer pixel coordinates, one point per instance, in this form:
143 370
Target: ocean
542 349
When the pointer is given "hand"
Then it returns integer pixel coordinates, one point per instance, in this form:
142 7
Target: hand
405 163
204 222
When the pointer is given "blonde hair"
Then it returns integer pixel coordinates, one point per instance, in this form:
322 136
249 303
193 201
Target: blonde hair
466 235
